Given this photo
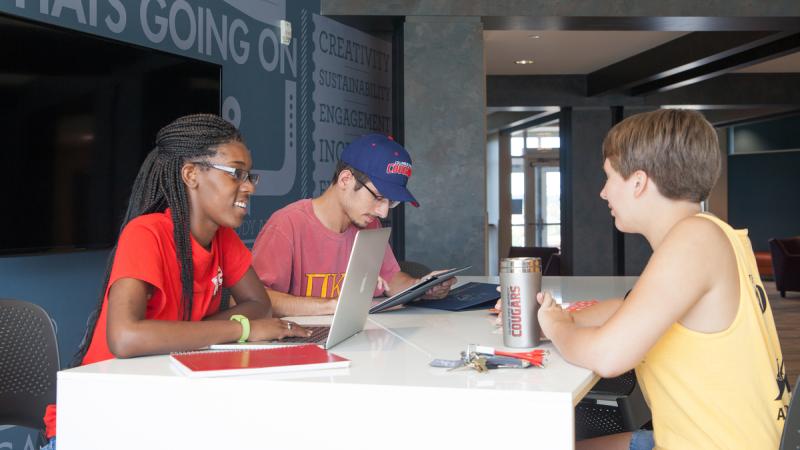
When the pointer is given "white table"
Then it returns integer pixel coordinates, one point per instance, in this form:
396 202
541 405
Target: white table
389 398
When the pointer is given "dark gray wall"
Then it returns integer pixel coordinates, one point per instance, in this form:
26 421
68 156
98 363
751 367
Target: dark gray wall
764 195
768 135
445 131
764 179
592 225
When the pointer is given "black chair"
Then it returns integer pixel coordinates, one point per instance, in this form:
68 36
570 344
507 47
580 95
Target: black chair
415 269
791 429
28 363
614 405
551 257
786 263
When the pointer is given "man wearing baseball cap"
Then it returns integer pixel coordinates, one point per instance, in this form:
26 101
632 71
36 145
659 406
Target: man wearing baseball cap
301 254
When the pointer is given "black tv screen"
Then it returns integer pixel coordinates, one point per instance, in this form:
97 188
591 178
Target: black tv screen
78 115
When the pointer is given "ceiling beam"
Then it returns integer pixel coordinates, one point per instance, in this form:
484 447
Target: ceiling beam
731 61
506 119
608 15
731 117
540 119
673 58
640 23
564 8
504 92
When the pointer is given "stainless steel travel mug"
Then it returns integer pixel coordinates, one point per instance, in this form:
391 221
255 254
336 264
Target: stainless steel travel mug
520 281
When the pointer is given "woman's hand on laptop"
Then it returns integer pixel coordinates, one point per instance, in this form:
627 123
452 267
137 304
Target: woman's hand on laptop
270 329
440 290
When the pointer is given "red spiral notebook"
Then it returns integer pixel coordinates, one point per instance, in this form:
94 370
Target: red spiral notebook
219 363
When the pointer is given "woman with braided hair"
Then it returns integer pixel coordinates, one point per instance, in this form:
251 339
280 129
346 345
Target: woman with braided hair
177 250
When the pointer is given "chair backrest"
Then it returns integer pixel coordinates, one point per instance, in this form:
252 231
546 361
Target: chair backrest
790 246
786 263
791 429
28 363
546 253
613 405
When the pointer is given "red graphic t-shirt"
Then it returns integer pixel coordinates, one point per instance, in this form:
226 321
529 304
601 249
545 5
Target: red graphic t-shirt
146 251
296 254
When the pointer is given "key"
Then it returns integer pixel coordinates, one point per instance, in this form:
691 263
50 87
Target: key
479 364
471 361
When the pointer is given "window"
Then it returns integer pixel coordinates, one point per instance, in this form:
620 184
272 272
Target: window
536 187
549 142
518 144
517 203
548 206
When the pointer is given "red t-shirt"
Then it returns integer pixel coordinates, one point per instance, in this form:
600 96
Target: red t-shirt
296 254
146 251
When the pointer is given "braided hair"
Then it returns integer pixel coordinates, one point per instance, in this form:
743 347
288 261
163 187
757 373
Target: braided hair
158 186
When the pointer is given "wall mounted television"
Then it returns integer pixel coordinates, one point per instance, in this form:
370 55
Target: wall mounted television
78 115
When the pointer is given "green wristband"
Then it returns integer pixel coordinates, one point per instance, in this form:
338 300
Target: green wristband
245 326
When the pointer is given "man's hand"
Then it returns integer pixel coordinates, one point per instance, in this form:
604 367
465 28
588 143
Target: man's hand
382 286
440 290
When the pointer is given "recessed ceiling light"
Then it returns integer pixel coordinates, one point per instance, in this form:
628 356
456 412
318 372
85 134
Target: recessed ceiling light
534 36
523 61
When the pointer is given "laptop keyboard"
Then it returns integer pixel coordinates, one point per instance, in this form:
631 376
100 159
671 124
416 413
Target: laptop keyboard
319 334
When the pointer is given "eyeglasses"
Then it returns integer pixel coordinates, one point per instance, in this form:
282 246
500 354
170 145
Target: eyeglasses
240 175
380 198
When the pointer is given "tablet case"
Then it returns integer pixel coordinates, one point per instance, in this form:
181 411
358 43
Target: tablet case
468 296
416 291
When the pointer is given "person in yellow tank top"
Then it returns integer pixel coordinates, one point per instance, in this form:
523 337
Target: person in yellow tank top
697 326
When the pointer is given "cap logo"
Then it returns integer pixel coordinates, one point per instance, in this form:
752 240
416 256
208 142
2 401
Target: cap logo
399 167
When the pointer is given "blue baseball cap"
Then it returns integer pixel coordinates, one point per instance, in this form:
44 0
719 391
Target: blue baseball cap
385 162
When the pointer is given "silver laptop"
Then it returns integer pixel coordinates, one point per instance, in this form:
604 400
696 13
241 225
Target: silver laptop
355 296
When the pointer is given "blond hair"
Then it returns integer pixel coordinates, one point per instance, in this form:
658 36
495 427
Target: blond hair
677 148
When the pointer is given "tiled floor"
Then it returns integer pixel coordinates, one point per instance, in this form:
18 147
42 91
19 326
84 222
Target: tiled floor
787 320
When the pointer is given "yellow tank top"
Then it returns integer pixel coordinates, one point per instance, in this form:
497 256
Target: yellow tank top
725 390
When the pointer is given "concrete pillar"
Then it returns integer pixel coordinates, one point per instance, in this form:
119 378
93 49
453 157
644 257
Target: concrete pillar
445 132
590 248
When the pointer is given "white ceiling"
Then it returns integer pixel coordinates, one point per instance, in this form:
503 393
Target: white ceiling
784 64
582 52
565 52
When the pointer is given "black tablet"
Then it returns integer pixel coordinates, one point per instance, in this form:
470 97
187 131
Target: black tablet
417 290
